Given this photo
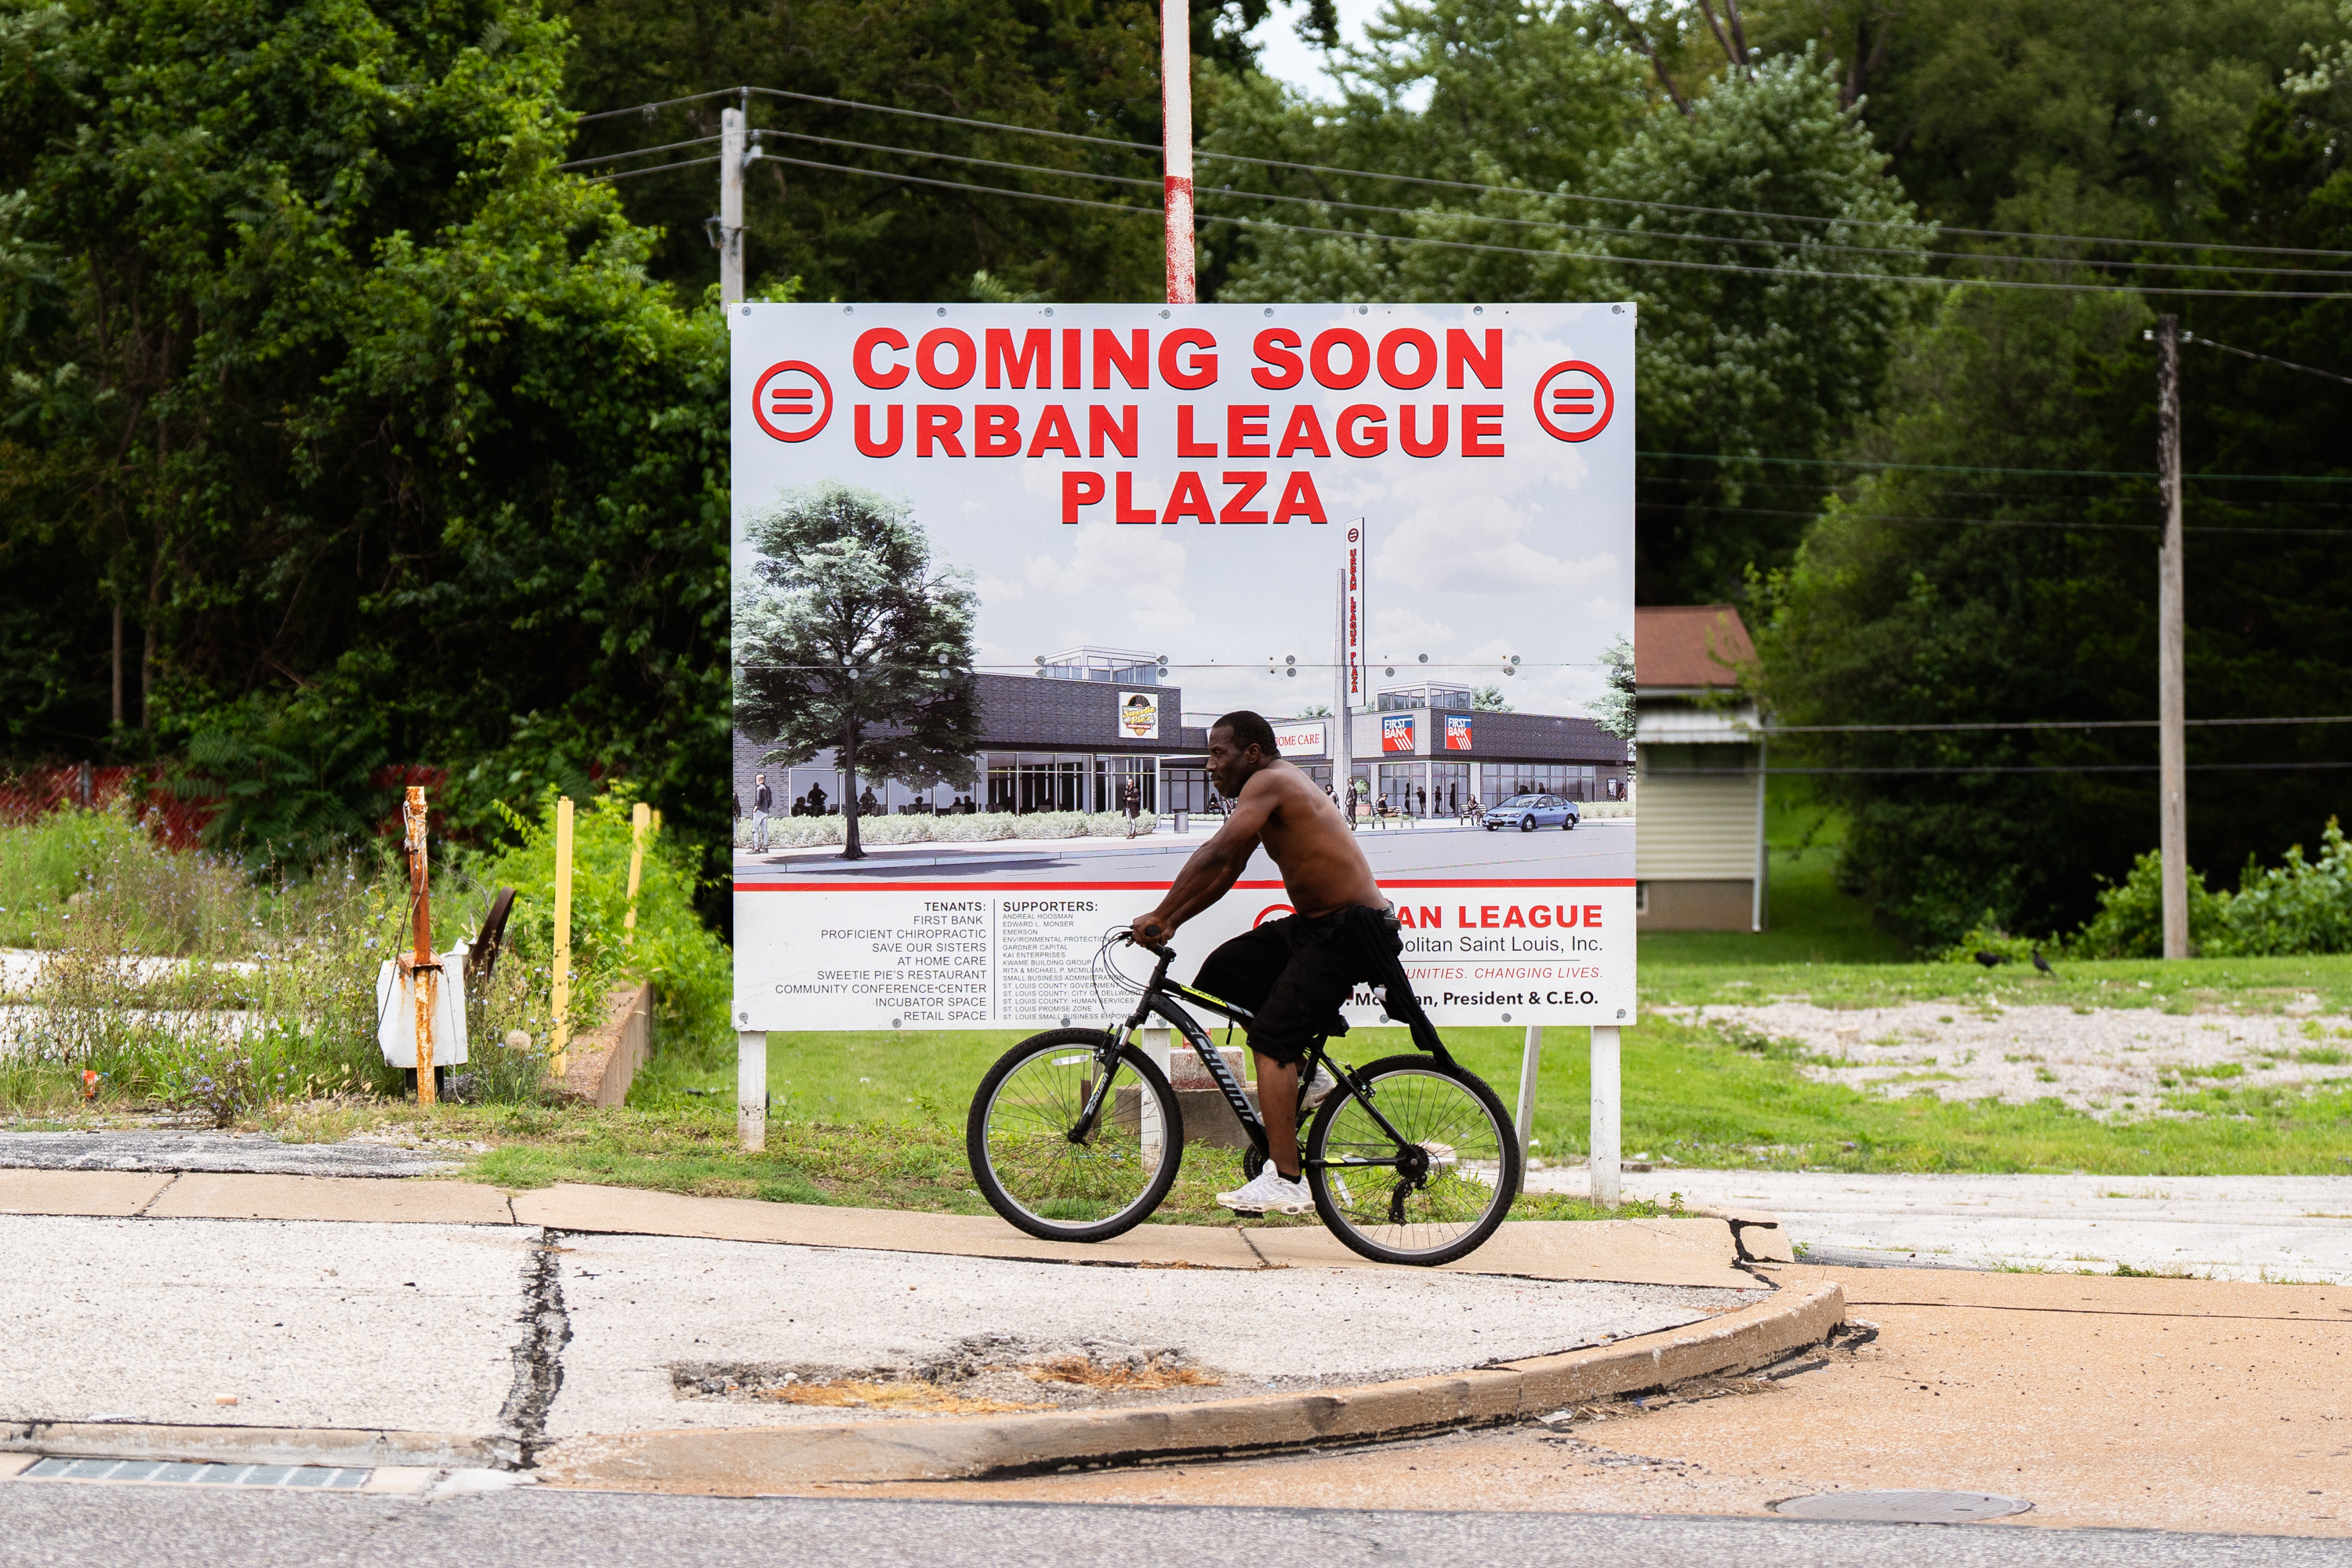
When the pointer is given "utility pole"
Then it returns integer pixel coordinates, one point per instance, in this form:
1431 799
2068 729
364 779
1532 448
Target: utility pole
2172 675
1176 125
1342 749
731 206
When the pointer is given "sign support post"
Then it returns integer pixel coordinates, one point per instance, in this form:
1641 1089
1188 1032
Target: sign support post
752 1088
1607 1105
1530 1064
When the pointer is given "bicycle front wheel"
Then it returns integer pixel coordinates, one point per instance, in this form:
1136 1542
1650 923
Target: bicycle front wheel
1433 1193
1045 1172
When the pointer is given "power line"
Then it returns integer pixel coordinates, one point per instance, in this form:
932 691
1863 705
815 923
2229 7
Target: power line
1155 149
1559 225
1976 469
2034 724
1808 274
1703 484
2249 353
657 168
2005 768
2062 527
638 152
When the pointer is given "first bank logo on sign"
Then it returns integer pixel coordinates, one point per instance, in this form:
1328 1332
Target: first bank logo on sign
1457 732
1396 732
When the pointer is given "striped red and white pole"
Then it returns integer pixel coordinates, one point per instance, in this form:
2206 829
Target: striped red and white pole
1176 119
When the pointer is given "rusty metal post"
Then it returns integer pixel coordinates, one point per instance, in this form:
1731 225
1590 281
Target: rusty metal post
640 819
559 1002
422 970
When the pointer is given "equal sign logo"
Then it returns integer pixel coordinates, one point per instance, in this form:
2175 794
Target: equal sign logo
791 400
1574 401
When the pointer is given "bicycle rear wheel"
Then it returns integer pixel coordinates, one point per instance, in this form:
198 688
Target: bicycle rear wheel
1034 1167
1437 1196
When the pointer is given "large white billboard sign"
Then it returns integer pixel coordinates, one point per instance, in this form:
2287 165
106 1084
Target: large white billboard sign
1401 534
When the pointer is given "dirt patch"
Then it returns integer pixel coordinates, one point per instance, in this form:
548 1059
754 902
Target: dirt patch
983 1374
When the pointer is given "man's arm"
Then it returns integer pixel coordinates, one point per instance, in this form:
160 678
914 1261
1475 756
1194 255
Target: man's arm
1212 870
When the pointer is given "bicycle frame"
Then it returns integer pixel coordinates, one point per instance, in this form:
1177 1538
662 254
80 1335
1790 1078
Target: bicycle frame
1160 997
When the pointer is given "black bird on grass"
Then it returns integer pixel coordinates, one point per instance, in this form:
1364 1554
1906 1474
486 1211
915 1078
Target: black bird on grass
1992 960
2042 964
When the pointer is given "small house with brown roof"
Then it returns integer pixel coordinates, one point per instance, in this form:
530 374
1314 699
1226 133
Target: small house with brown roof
1698 766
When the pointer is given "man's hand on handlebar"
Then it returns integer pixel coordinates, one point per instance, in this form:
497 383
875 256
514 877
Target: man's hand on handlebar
1151 930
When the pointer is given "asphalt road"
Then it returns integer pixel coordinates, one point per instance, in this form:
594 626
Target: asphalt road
70 1525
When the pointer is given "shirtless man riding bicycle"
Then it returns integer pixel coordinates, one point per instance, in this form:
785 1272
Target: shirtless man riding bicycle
1293 973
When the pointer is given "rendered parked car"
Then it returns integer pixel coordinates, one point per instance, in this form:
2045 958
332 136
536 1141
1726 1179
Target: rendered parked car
1529 812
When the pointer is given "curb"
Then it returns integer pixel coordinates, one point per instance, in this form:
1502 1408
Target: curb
751 1459
356 1448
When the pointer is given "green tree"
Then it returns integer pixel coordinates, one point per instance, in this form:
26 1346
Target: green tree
1740 370
850 638
360 415
2092 117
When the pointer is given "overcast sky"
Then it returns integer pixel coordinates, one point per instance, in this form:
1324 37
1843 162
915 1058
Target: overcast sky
1285 57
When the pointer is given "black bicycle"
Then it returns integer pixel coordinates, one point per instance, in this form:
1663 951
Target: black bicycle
1075 1135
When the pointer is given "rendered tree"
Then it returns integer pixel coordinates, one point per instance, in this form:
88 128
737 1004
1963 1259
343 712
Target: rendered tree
1613 709
852 639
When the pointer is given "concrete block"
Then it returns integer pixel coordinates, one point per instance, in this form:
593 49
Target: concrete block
202 1195
600 1066
108 1194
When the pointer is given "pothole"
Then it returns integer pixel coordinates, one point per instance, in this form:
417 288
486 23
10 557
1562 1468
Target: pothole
981 1374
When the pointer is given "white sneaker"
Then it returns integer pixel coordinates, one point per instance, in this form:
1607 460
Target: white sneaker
1271 1192
1320 1088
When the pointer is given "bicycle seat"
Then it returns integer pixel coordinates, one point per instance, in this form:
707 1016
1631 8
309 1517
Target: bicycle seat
1337 1026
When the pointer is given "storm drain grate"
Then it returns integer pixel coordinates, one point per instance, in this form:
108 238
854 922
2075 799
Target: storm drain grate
307 1477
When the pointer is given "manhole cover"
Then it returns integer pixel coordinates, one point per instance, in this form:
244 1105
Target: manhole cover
1904 1508
324 1478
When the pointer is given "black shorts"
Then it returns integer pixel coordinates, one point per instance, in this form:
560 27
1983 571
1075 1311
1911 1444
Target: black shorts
1291 974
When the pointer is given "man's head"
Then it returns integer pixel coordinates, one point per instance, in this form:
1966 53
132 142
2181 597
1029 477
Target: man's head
759 778
1240 743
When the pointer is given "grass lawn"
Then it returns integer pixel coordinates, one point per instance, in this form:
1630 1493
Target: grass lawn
864 1120
877 1119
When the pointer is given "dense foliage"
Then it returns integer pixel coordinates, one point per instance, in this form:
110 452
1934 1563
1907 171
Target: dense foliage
342 432
1545 116
368 425
2010 575
1085 67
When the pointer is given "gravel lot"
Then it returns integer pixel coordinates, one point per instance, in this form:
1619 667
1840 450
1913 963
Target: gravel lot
2107 1062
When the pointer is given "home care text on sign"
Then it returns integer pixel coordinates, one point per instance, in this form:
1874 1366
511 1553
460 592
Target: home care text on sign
997 569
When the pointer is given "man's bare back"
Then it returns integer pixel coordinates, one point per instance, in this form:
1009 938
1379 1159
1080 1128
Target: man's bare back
1276 805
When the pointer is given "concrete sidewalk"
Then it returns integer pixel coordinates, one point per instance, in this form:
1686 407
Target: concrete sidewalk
2282 1228
380 1322
2175 1405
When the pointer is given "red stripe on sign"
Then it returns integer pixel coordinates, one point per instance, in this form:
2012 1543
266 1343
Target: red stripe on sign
968 887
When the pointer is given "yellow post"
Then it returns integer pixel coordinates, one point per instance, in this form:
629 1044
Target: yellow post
560 996
640 823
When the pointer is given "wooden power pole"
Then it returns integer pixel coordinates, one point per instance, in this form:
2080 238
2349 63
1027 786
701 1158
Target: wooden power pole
2171 678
